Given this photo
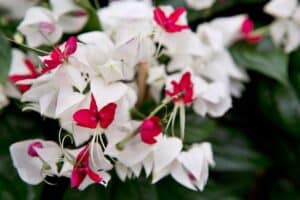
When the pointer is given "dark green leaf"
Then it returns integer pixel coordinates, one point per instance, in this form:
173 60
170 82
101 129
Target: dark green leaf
263 58
93 23
5 58
140 189
294 70
280 105
169 189
234 152
197 128
93 192
15 126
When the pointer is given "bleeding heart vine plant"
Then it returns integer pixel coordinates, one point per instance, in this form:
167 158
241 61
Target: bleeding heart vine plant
95 82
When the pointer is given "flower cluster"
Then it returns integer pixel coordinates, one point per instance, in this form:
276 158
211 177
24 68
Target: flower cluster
92 80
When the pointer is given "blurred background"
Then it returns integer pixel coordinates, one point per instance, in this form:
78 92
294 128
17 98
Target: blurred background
256 144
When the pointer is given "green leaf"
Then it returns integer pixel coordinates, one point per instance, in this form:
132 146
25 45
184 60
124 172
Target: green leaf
280 104
294 71
263 58
5 58
15 126
93 192
140 189
233 152
169 189
198 128
93 23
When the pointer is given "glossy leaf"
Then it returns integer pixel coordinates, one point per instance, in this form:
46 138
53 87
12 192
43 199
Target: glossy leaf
93 23
5 58
263 58
281 105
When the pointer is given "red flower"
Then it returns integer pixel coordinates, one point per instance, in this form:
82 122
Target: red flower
149 129
58 56
33 74
169 23
82 169
91 117
184 89
247 29
31 149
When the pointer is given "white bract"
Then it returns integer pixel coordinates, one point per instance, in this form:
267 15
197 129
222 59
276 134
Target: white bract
39 27
35 159
93 87
285 30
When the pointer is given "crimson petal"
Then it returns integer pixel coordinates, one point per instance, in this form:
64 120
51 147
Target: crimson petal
159 16
176 14
70 46
107 114
85 118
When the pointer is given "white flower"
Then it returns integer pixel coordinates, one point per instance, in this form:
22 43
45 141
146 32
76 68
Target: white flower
285 29
35 159
281 8
86 157
120 12
150 157
230 27
214 101
52 94
123 64
207 98
39 27
190 167
69 16
200 4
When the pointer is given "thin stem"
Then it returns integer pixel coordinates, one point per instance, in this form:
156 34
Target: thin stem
261 31
97 4
120 145
27 47
161 106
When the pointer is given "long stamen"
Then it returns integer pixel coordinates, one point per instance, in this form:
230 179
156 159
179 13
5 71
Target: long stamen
93 142
120 146
182 121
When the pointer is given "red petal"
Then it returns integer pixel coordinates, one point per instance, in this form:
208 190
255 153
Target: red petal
177 28
185 80
95 177
107 114
70 46
176 14
50 64
56 54
85 118
247 26
30 66
31 149
159 16
253 39
78 175
93 106
149 129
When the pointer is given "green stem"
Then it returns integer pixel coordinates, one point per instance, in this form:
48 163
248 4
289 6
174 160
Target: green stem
120 145
261 31
157 109
27 47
